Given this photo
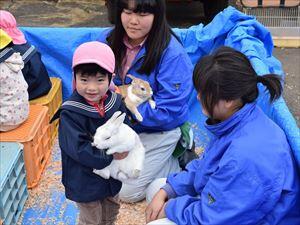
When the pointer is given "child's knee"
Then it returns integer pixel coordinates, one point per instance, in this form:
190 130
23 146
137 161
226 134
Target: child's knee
131 193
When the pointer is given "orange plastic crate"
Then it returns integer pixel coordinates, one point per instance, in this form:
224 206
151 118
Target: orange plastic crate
53 101
34 134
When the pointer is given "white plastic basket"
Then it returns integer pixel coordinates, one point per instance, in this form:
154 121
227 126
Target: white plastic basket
283 22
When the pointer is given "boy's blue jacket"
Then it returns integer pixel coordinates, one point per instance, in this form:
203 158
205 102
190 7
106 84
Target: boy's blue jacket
246 176
78 124
171 82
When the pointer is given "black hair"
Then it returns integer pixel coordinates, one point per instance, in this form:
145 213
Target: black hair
158 38
91 69
227 74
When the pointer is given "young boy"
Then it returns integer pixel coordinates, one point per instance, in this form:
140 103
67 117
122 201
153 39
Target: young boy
89 107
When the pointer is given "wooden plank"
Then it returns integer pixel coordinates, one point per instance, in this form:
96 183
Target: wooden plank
286 42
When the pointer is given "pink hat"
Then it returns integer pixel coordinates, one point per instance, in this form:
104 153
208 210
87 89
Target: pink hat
9 25
95 52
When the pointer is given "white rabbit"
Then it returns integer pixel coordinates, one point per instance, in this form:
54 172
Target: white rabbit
115 136
136 93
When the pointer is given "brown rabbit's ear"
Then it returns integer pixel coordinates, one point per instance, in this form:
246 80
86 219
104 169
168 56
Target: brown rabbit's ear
130 76
133 78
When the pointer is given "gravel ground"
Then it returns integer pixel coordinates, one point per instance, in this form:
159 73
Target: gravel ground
290 59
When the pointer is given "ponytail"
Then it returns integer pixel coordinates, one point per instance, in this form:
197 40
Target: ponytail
227 74
272 83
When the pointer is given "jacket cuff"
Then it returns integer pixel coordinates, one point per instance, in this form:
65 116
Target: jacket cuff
170 191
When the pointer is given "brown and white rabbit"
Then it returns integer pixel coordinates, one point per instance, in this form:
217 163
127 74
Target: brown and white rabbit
136 93
116 136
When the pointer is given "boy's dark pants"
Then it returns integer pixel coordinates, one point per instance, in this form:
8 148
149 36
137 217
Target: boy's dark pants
102 212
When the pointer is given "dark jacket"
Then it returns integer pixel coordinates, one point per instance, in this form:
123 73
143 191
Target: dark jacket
34 71
5 53
78 123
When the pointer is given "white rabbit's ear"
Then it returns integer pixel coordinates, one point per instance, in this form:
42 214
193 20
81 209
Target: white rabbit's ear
119 120
114 117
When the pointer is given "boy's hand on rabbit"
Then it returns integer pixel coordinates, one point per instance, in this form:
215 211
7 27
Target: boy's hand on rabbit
119 156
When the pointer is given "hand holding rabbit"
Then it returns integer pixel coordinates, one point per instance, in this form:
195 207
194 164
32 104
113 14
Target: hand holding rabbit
119 156
117 137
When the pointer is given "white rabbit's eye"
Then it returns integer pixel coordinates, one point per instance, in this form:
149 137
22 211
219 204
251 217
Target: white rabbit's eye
107 138
143 89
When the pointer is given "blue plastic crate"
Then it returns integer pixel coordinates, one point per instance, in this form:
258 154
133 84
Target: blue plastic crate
13 188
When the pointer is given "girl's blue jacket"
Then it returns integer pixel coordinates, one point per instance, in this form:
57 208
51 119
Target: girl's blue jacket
247 176
171 82
78 124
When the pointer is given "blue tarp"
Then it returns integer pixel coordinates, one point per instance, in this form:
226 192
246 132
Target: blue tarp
230 28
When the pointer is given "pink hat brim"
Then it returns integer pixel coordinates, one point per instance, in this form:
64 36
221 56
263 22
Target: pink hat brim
17 36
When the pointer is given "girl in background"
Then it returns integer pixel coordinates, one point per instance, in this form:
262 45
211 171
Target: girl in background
247 174
146 48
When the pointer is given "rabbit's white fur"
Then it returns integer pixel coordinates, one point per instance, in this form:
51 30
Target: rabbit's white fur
115 136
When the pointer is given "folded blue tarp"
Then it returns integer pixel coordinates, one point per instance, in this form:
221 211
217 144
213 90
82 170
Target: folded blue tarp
230 28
